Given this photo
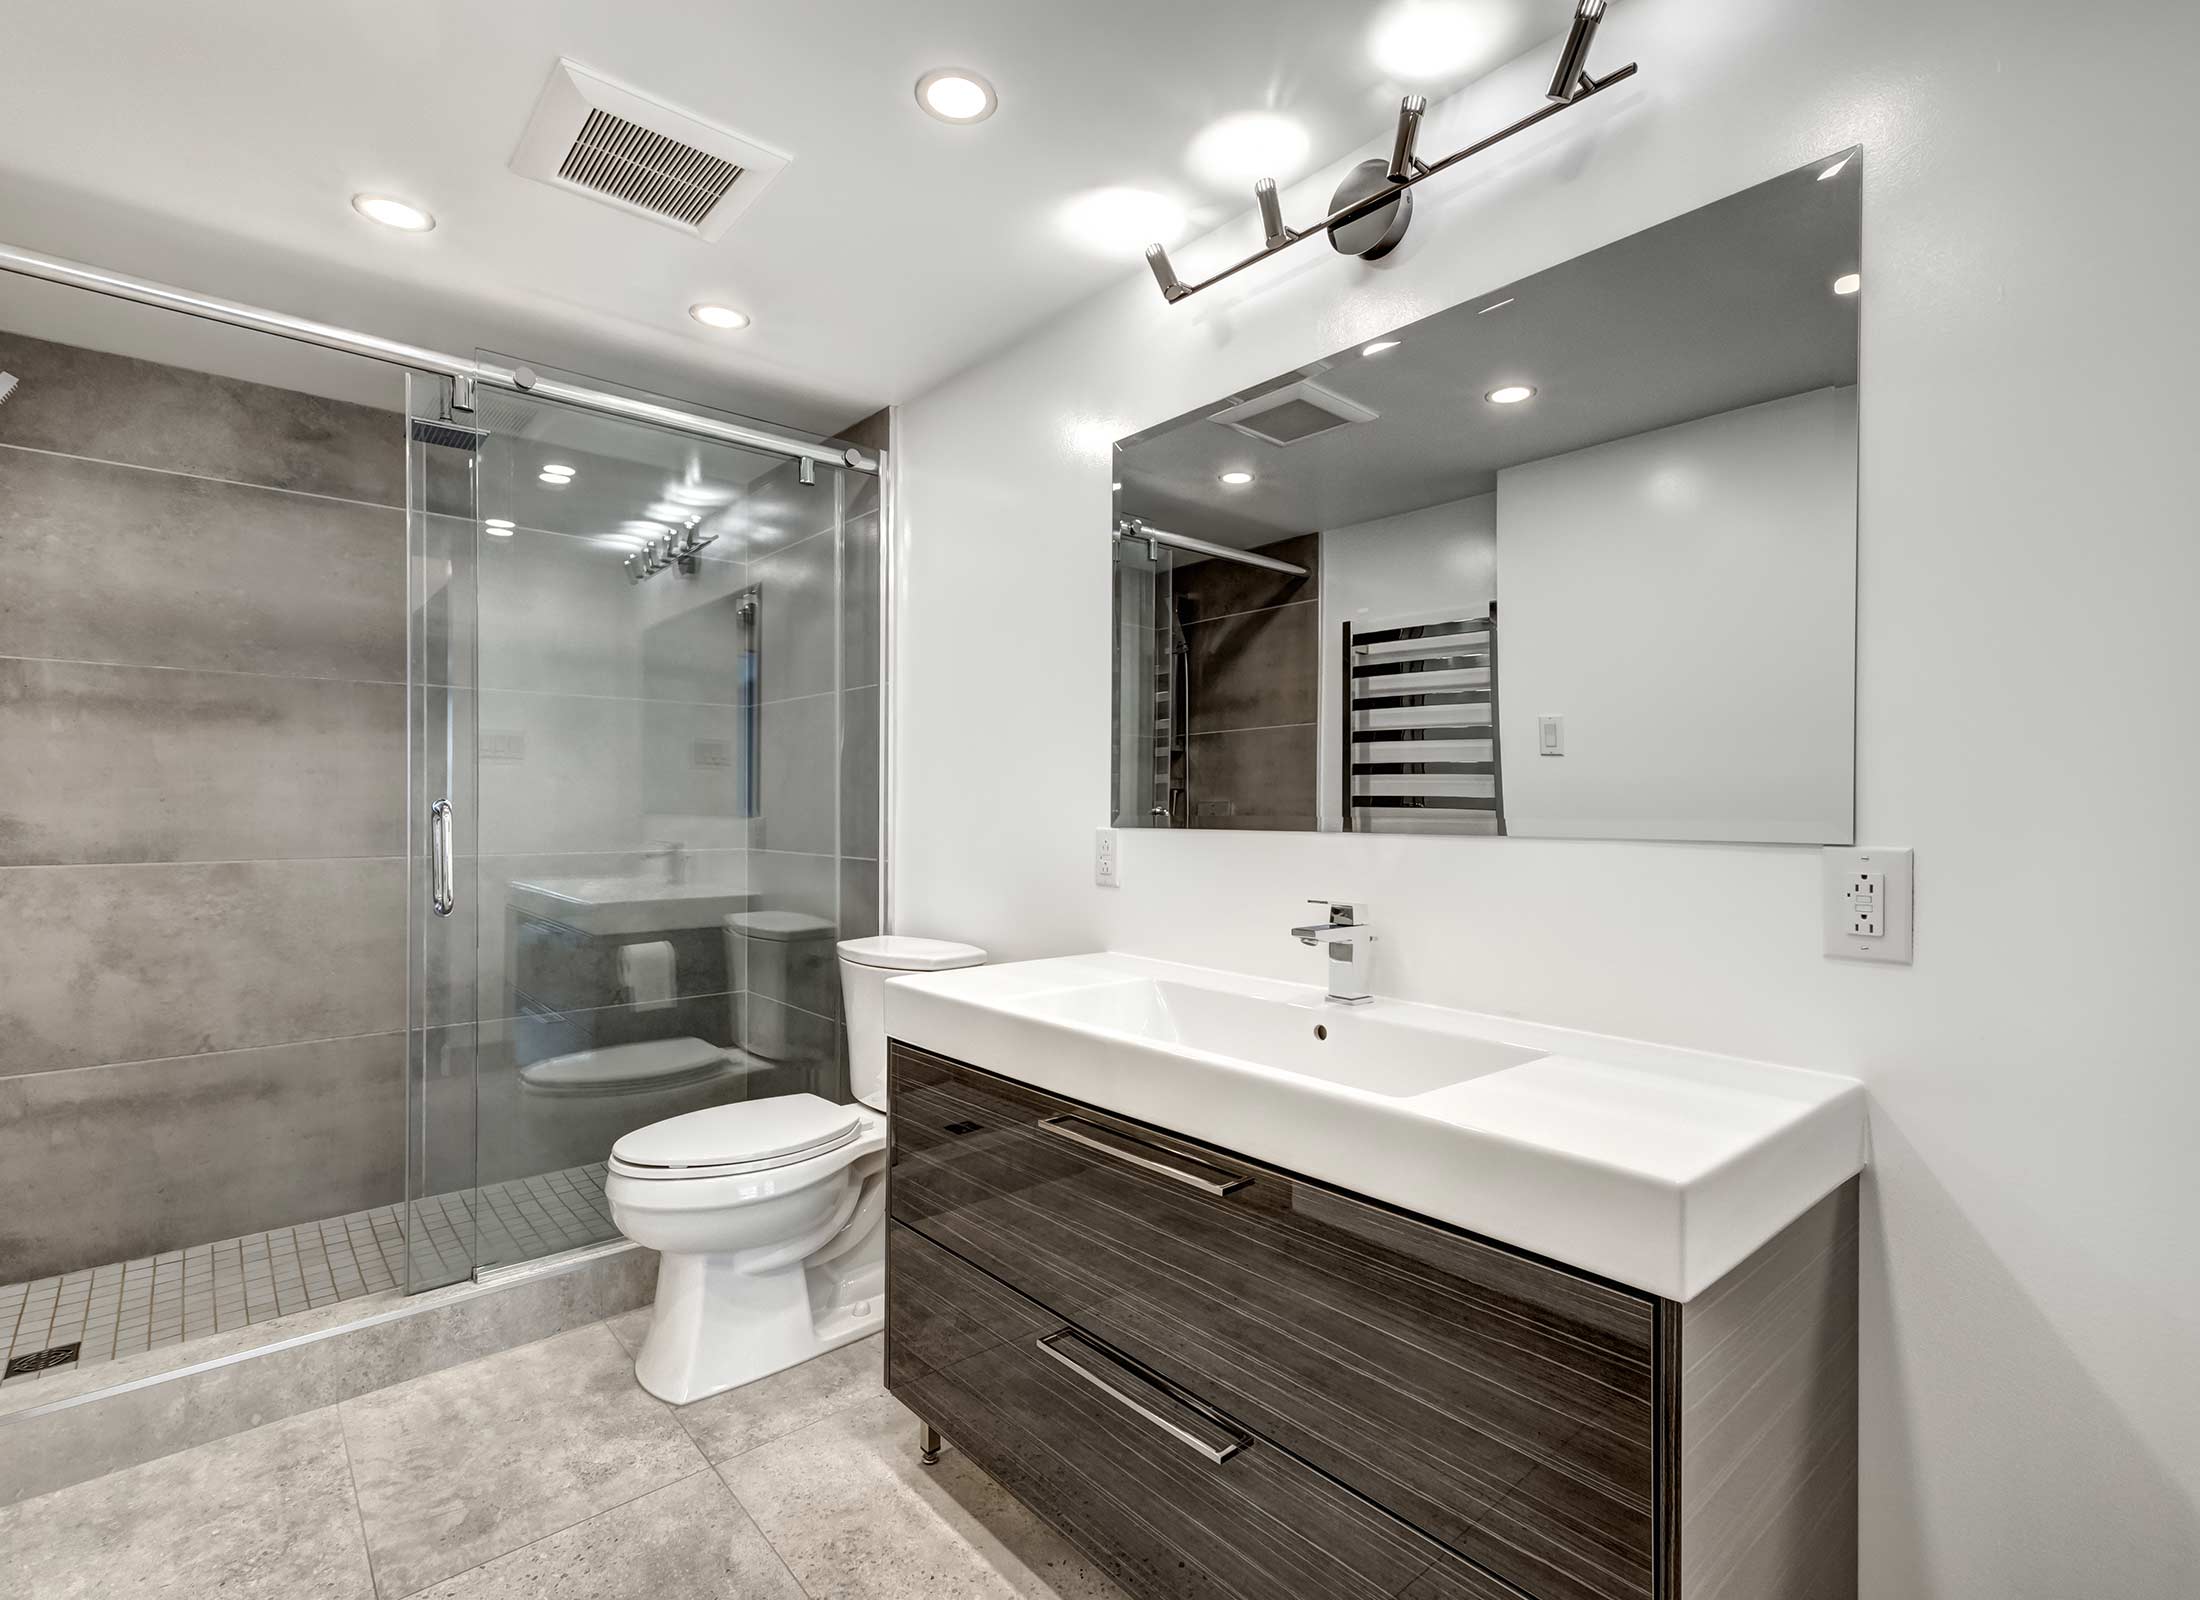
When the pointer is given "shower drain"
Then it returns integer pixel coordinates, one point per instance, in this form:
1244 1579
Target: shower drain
59 1355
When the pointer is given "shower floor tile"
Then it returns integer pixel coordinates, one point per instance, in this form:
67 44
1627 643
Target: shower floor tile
126 1307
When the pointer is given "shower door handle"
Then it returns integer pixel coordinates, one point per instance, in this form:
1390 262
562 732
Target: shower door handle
439 859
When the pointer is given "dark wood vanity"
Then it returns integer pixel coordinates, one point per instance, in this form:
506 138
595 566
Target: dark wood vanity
1221 1380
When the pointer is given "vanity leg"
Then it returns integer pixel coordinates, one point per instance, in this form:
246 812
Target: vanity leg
928 1444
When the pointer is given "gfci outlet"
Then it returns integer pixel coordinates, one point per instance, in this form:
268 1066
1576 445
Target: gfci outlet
1103 858
1869 905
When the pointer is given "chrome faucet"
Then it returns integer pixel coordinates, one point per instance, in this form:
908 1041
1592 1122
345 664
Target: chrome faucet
1351 951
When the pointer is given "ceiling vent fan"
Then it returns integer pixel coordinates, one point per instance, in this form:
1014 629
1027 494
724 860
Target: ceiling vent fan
1293 414
608 143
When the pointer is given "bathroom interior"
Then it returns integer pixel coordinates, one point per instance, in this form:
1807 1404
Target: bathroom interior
1234 802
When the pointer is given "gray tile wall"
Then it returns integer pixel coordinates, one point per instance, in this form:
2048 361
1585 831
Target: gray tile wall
202 652
1254 641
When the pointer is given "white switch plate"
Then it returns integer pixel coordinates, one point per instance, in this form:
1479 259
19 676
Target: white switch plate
1550 736
1869 904
1103 858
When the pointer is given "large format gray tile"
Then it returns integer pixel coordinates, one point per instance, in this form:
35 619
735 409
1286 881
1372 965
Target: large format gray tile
1255 669
731 1424
778 509
862 577
109 963
695 641
265 1514
1210 589
799 618
691 1540
147 764
859 772
855 1516
465 1466
107 563
557 615
801 776
110 1163
87 403
1254 777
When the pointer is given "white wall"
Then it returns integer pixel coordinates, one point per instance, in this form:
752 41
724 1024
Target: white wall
1439 558
2029 562
1685 600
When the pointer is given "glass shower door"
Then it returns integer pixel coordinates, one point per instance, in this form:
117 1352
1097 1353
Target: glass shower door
647 860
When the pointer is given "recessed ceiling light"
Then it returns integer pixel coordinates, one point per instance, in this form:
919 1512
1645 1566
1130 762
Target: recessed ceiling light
956 94
1250 145
1833 171
554 480
556 469
499 527
1379 346
1115 486
714 316
1510 395
1237 480
1848 283
392 213
1122 221
1423 40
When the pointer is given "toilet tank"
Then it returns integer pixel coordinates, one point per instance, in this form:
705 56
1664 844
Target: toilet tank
865 965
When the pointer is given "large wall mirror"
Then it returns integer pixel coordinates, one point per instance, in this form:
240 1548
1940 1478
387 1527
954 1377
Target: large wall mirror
1576 558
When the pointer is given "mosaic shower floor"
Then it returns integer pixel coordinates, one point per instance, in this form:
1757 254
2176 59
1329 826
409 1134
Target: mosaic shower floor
127 1307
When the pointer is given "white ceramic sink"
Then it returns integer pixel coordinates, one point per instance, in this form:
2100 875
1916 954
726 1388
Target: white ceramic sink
1659 1167
631 904
1374 1051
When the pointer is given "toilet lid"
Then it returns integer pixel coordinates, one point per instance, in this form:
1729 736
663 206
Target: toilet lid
780 925
645 1064
753 1133
904 954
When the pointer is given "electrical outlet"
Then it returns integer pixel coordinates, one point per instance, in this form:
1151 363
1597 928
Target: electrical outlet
1103 859
1869 905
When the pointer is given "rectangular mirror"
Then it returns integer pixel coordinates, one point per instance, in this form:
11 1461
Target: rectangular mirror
1573 559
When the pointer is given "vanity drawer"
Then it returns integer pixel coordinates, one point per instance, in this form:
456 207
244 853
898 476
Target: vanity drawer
1501 1404
1169 1497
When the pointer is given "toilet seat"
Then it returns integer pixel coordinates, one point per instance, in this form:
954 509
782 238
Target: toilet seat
748 1136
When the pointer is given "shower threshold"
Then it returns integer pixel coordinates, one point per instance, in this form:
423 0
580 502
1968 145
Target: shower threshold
126 1308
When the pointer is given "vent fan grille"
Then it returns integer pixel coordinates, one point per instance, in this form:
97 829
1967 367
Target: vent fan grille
1292 421
630 162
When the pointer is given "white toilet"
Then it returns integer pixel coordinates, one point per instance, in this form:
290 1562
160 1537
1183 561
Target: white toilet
770 1215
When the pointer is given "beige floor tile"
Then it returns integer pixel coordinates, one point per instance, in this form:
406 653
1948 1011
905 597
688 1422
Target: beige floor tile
631 1328
739 1420
691 1541
262 1514
856 1518
466 1465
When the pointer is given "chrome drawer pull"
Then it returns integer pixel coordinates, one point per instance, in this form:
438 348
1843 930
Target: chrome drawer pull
1094 1357
1201 1175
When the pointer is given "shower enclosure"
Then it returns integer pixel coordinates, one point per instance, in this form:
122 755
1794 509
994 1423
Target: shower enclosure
640 753
377 842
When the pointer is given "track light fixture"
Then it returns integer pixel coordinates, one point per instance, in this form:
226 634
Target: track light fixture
1271 216
1371 208
1172 287
1572 79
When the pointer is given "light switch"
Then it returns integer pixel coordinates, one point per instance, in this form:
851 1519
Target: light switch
1869 905
1550 735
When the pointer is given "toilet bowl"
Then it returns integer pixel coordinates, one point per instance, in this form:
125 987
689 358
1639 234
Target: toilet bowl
769 1215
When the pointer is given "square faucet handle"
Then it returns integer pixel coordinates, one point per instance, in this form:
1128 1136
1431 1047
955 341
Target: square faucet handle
1340 912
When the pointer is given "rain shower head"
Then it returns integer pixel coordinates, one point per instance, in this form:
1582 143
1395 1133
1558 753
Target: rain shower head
7 386
450 435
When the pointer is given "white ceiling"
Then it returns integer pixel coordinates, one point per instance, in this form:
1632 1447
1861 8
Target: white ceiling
217 146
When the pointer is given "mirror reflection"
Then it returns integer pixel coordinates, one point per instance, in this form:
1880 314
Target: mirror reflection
1575 558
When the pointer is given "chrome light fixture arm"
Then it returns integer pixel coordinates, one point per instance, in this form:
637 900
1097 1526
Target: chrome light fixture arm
1380 188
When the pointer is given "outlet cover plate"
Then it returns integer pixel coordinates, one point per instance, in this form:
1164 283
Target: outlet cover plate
1863 887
